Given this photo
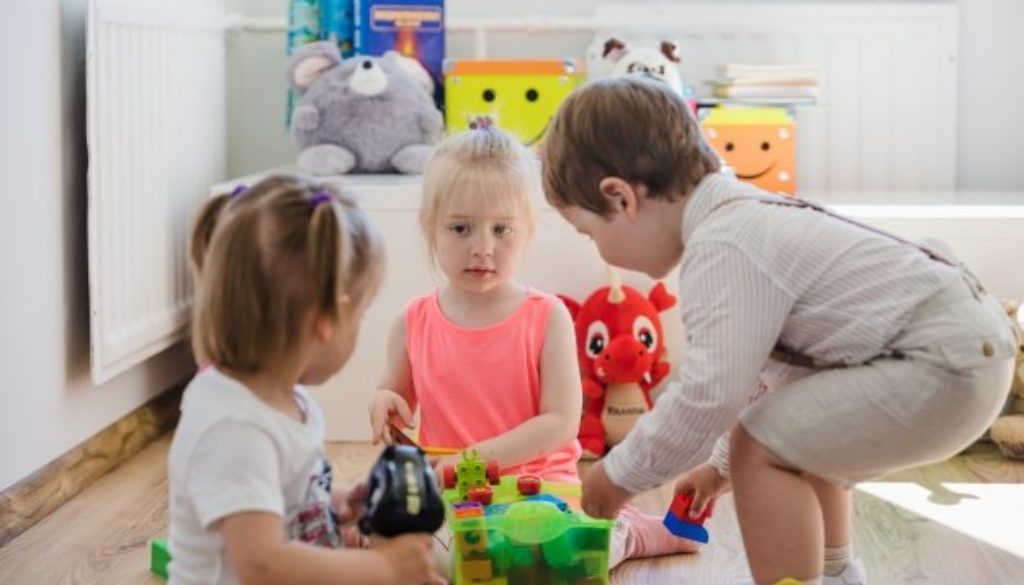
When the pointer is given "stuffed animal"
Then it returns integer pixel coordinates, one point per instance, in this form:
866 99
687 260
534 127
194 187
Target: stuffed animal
620 347
662 62
369 114
1008 431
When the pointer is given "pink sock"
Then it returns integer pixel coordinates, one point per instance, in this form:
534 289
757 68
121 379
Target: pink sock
637 535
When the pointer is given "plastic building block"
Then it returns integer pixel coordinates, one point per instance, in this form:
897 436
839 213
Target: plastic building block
471 472
678 520
528 485
159 557
559 552
467 509
557 501
529 539
469 542
476 568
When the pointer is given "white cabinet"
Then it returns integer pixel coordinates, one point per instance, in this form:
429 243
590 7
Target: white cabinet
562 261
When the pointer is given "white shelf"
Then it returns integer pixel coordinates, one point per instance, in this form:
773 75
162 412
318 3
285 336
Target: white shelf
401 192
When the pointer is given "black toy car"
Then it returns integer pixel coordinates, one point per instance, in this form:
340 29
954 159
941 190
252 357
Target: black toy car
403 494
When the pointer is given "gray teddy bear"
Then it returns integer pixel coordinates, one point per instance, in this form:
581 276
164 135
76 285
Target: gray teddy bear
368 114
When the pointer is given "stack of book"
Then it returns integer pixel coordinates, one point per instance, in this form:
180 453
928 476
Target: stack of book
774 82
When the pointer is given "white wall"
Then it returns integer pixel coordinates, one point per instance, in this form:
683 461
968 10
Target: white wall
47 402
990 119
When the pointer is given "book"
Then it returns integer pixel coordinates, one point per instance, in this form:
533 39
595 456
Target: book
414 28
764 91
337 24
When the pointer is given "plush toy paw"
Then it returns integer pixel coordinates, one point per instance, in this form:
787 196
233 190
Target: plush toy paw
591 437
412 159
326 159
306 118
1008 434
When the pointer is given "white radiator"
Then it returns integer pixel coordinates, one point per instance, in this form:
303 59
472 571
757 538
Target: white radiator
156 135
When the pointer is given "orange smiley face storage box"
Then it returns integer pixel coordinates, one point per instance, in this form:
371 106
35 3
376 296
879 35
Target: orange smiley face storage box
758 143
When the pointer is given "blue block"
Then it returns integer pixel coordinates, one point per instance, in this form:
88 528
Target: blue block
684 529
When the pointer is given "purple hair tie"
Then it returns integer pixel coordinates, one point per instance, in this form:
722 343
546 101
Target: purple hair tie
319 197
238 191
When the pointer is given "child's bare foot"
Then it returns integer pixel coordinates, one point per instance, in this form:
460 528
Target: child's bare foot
639 535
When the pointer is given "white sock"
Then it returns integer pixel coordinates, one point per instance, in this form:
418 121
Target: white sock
836 559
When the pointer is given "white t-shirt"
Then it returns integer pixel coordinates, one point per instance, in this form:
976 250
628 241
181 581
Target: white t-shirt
233 453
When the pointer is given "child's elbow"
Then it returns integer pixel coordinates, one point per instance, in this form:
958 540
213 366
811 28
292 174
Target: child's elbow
568 429
256 571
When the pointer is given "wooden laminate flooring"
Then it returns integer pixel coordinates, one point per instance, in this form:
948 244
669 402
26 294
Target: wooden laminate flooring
960 522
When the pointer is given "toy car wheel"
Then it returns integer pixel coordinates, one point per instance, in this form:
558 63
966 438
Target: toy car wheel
493 473
481 494
448 476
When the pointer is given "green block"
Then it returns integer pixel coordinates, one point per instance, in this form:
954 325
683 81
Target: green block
159 557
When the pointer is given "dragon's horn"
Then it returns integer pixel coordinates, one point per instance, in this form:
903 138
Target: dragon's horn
615 294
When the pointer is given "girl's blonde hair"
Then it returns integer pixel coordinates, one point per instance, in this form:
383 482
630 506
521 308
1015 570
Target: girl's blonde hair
492 169
266 257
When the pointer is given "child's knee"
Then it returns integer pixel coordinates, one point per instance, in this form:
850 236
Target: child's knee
745 452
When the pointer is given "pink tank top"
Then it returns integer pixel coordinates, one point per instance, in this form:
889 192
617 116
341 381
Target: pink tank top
474 384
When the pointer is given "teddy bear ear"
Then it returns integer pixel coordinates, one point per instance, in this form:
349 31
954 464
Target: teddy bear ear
412 67
671 51
309 62
614 49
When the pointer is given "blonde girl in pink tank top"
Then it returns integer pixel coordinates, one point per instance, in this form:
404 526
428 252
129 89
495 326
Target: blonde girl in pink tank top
491 363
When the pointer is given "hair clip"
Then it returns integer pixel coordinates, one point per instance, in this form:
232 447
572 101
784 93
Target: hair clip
321 196
238 190
481 123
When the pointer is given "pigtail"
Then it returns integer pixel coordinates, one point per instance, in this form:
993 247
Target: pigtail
327 249
270 256
202 229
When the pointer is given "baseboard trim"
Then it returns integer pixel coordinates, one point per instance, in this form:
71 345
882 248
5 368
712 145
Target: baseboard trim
33 498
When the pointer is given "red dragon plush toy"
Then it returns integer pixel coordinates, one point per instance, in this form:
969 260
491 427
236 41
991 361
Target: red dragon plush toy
620 346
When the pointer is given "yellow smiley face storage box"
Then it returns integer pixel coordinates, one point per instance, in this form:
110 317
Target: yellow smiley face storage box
517 96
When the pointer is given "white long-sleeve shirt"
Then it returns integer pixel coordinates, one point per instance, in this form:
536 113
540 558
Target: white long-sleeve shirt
752 275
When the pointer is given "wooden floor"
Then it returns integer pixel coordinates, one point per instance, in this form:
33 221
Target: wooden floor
956 523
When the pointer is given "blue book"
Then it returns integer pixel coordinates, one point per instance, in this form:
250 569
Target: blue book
414 28
336 23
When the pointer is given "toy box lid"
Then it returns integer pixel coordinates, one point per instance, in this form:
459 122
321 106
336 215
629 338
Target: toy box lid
464 67
740 116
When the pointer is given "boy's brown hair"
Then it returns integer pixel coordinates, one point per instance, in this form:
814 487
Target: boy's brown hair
635 128
265 258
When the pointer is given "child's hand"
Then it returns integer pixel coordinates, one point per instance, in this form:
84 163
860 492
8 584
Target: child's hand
350 502
387 406
706 484
410 559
